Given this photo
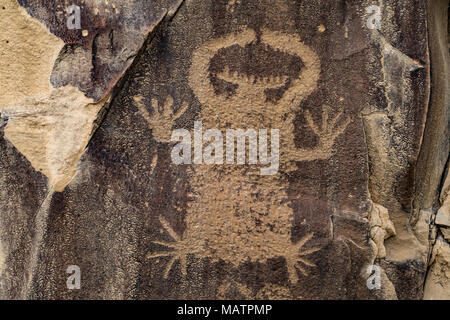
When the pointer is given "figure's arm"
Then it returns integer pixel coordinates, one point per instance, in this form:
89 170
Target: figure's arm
163 118
199 78
306 82
327 133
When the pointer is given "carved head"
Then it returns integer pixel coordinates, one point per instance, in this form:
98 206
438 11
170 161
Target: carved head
242 76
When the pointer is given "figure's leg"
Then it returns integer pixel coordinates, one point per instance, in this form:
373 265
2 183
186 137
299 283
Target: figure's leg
296 260
181 247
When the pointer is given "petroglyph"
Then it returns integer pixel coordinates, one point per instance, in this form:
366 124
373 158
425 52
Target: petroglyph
181 248
162 120
236 215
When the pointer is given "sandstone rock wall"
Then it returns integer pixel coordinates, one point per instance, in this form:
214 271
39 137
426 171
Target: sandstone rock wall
358 204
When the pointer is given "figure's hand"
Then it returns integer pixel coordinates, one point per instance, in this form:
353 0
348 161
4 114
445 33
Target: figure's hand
163 118
329 130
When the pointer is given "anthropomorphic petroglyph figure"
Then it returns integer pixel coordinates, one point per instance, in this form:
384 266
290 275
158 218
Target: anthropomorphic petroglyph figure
235 214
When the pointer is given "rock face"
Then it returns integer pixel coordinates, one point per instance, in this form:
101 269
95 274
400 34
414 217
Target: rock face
343 192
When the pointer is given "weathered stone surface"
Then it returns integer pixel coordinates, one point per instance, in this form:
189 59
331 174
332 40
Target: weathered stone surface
438 280
86 153
443 217
96 56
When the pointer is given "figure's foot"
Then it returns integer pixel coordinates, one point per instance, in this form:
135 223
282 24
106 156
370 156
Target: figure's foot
181 248
295 258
